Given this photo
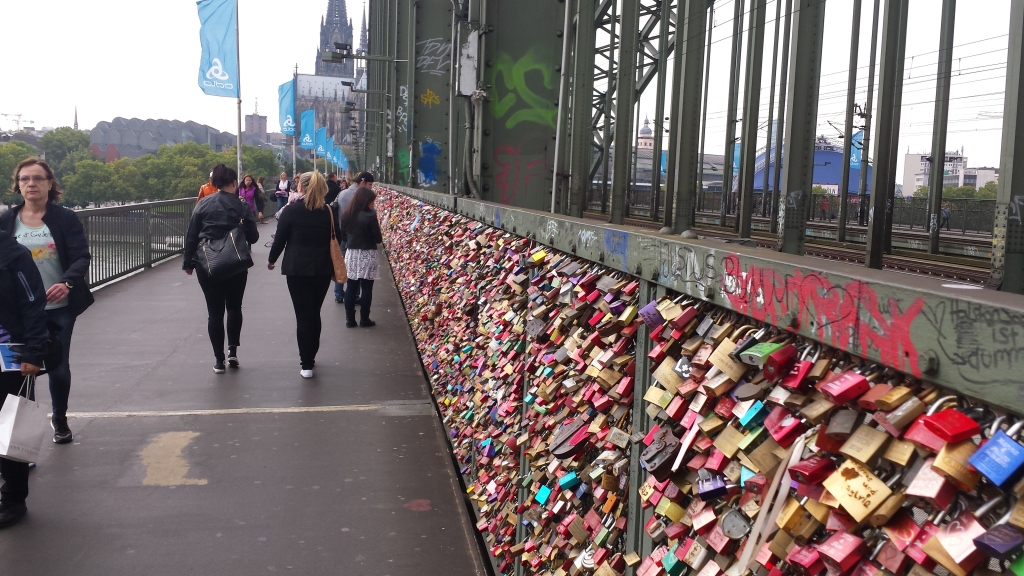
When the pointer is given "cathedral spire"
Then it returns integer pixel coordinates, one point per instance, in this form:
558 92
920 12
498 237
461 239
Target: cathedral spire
76 117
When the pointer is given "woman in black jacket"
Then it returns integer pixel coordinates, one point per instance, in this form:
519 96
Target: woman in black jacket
361 233
22 321
305 228
55 238
214 217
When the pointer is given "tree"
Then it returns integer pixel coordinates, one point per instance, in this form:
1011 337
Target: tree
950 192
11 153
90 182
988 191
819 190
921 192
58 144
67 166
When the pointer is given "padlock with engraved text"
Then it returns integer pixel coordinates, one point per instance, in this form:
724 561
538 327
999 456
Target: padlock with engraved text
1003 540
797 380
928 488
812 470
783 426
842 551
920 435
844 388
1001 459
953 544
952 425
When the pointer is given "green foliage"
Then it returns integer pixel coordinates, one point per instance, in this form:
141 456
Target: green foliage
819 190
921 192
950 192
58 144
92 181
11 153
988 191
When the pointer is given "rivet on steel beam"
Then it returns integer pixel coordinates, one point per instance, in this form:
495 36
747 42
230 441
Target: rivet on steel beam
654 276
551 240
928 362
792 322
639 270
600 257
572 248
708 292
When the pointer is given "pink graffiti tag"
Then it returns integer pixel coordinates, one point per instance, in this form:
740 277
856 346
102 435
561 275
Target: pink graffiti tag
837 315
516 171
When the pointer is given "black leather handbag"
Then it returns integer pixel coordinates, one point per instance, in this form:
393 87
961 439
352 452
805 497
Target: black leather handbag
224 257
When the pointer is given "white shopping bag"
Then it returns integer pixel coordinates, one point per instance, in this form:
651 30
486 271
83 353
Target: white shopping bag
23 427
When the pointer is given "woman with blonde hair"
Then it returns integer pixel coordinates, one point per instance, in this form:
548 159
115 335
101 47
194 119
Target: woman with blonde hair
305 229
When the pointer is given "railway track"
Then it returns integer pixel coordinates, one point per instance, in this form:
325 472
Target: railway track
961 268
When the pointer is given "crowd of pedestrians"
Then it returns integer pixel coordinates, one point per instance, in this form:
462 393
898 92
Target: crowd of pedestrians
45 258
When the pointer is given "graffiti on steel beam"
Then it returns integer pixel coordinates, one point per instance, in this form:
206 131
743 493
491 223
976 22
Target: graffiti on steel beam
434 56
517 170
978 340
402 114
526 90
616 244
430 98
850 317
427 166
404 167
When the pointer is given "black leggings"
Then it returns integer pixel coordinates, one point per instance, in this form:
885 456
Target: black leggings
358 290
308 294
223 295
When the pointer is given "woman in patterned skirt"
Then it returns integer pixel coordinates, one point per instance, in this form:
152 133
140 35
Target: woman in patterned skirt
361 232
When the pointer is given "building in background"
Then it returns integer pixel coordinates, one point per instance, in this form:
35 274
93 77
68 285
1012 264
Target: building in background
917 169
256 126
335 27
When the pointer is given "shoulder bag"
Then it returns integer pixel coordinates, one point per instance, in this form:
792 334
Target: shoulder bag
226 256
337 258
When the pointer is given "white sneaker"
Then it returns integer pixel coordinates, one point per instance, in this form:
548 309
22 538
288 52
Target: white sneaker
306 373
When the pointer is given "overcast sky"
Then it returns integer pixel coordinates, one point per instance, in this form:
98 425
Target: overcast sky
135 58
139 59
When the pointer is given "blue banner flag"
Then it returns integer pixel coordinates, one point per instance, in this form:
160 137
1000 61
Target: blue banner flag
856 149
218 35
321 141
330 151
342 160
308 126
286 107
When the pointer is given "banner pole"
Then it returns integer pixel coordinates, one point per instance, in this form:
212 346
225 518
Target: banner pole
238 61
295 114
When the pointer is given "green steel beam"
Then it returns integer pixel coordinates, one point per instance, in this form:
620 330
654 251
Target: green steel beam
1008 238
686 146
942 84
581 158
970 341
801 124
625 96
751 107
851 95
730 111
888 84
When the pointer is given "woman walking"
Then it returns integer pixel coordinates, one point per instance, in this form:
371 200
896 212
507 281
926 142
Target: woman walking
284 186
261 199
249 193
212 220
56 239
361 233
305 230
23 321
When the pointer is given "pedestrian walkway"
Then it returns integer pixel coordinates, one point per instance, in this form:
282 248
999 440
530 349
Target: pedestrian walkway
175 470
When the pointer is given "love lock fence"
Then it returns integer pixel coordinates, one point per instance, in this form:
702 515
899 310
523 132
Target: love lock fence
621 402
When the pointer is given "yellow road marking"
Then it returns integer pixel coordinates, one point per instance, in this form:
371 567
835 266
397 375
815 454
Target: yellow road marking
165 464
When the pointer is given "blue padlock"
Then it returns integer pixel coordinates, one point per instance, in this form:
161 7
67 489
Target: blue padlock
754 416
1001 459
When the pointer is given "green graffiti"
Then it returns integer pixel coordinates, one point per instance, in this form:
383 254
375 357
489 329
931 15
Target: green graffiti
403 166
530 107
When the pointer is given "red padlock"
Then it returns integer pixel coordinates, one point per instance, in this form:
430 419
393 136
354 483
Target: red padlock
795 380
812 470
783 426
846 387
779 362
920 435
842 551
952 426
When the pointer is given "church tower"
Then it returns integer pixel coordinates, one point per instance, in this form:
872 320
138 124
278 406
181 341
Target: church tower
335 27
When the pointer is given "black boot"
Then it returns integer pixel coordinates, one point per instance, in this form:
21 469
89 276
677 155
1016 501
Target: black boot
350 320
364 318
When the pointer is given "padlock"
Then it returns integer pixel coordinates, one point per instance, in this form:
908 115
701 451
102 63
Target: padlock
1001 459
812 470
953 544
746 342
844 388
796 380
953 462
758 354
842 551
920 435
843 423
710 486
783 426
929 488
1003 540
891 505
778 363
864 444
952 425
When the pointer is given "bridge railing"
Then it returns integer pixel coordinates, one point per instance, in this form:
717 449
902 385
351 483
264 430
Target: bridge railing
967 215
126 239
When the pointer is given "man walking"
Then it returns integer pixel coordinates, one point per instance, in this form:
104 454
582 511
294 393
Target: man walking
364 180
333 188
